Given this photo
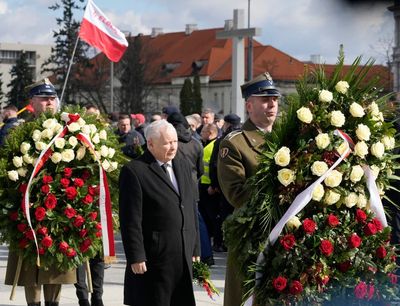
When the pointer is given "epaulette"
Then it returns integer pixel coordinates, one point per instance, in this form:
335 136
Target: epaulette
233 134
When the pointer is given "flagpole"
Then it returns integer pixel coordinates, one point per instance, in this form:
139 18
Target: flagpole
69 70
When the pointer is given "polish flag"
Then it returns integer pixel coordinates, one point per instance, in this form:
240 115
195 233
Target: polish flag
98 31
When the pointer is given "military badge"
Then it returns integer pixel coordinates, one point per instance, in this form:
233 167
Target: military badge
223 152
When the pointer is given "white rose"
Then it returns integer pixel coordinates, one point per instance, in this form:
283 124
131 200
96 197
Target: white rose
333 179
285 176
57 128
375 170
40 146
103 151
93 128
59 143
325 96
81 122
293 223
64 117
27 159
318 168
381 189
342 87
363 132
362 201
49 123
13 175
356 173
85 129
96 138
322 140
67 155
342 148
379 118
282 157
389 142
361 149
304 114
318 192
74 127
111 152
22 172
17 161
24 147
47 134
331 197
337 118
378 149
351 199
103 135
56 157
356 110
373 109
80 153
36 135
106 164
114 166
73 141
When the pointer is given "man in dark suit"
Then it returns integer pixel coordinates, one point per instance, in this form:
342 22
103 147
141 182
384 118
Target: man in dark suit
159 227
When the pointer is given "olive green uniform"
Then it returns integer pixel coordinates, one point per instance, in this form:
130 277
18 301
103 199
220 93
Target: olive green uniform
238 160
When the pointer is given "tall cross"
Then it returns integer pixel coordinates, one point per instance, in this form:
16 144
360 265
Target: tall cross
238 34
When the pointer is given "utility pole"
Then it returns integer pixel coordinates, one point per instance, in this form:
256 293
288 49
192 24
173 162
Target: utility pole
249 48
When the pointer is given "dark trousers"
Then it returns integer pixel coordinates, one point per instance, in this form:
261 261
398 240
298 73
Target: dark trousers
97 273
209 208
225 209
205 242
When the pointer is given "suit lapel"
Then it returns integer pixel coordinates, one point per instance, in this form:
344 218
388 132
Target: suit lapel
180 177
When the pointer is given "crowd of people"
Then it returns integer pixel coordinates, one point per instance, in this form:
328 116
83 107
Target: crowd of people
186 175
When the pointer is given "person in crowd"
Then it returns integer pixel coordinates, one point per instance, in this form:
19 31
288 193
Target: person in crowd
231 123
10 120
139 122
207 117
155 117
158 221
133 140
238 160
219 122
168 110
92 109
193 124
43 98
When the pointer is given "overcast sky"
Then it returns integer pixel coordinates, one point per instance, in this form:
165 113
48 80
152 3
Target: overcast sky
299 28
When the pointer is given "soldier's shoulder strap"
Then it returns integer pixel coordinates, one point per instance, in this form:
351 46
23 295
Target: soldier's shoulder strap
232 134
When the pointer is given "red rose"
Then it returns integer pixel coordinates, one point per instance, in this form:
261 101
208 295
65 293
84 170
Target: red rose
83 233
326 247
63 247
45 189
354 241
295 287
332 220
309 226
93 215
360 290
99 234
370 292
71 193
47 241
22 188
47 179
279 283
79 220
361 216
324 279
51 201
85 245
377 224
370 229
21 227
40 213
85 174
393 278
29 235
381 252
78 182
288 241
87 199
23 243
71 252
69 212
41 251
93 190
344 266
42 231
13 216
67 172
98 226
64 182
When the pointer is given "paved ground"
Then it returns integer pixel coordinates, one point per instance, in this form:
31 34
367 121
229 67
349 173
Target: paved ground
113 283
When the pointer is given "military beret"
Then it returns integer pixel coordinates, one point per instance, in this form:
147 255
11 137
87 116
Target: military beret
232 119
42 88
261 86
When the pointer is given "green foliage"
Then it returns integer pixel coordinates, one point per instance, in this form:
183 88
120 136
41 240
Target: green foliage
197 99
186 98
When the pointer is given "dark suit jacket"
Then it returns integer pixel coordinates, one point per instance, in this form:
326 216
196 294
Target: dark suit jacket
158 226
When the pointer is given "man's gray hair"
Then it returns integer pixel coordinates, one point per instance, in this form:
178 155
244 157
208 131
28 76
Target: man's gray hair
153 130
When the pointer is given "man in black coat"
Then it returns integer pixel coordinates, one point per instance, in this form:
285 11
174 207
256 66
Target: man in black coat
159 227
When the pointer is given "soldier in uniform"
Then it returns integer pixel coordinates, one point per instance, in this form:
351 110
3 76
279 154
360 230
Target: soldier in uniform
42 97
238 160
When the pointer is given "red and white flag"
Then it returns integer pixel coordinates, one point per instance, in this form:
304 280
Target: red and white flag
98 31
